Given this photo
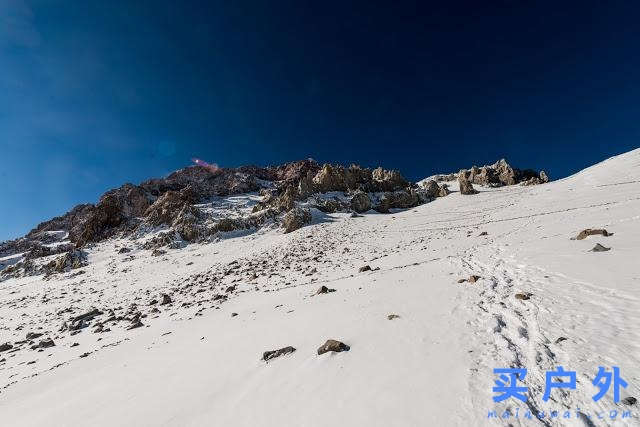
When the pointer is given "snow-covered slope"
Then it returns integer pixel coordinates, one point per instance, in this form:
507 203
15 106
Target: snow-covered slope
197 360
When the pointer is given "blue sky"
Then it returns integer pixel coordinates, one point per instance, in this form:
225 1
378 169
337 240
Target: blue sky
94 94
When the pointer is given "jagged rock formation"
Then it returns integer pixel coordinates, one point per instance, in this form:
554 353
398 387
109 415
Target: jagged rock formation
499 174
465 184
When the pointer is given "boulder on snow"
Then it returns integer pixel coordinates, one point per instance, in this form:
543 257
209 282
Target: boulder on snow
523 296
364 268
296 218
6 346
592 232
333 345
272 354
70 260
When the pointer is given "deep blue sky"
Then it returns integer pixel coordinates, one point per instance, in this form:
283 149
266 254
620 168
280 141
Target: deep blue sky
97 93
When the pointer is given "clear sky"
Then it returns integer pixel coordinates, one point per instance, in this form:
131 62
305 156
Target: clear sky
97 93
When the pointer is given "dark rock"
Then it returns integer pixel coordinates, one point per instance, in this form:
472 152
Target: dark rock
46 343
33 335
360 202
393 316
6 346
268 355
599 248
473 279
560 339
324 290
364 268
333 345
629 400
523 296
158 252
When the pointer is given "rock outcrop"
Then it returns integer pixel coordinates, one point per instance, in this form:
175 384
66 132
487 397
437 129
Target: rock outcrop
295 219
465 184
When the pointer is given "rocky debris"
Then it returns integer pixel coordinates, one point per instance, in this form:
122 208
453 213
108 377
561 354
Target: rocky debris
124 250
599 248
33 335
523 296
69 261
333 345
484 233
393 316
471 279
324 290
592 232
46 343
330 205
295 219
158 252
465 185
360 202
135 321
630 400
272 354
166 299
6 346
560 339
364 268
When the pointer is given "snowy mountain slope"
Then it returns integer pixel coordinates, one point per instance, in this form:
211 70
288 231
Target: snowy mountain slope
195 363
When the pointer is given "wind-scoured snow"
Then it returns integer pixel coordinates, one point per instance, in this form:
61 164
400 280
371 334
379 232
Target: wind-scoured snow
197 361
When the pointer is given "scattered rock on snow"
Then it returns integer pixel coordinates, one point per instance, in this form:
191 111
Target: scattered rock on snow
560 339
523 296
599 248
6 346
324 290
272 354
166 299
629 400
364 268
46 343
393 316
592 232
333 345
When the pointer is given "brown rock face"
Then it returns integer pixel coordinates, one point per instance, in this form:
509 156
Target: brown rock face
465 185
592 232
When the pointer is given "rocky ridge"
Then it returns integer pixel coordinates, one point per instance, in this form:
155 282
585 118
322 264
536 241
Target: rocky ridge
177 210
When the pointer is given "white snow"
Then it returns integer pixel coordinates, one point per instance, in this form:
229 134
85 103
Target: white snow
431 366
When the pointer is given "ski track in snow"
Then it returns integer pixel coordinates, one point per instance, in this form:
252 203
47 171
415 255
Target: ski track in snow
195 364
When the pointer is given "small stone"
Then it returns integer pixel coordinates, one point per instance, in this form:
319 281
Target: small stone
462 280
324 290
393 316
234 314
333 345
629 400
166 299
272 354
6 346
364 268
560 339
473 279
484 233
523 297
